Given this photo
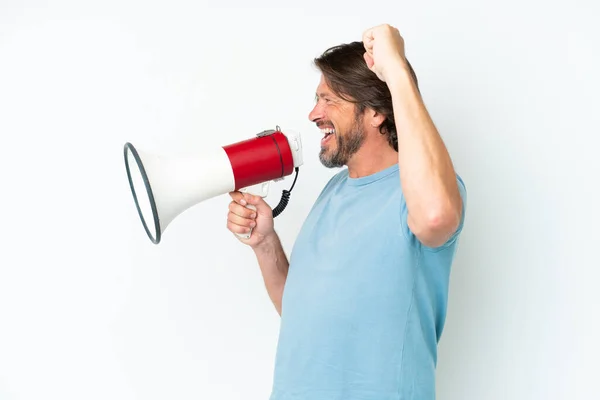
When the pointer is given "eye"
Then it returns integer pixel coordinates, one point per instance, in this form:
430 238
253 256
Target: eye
324 99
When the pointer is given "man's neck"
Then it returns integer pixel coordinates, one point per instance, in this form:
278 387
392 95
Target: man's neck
368 161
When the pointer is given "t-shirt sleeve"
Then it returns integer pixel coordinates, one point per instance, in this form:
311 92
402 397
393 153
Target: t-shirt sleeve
410 236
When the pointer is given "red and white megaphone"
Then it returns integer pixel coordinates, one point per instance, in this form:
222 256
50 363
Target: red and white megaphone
164 187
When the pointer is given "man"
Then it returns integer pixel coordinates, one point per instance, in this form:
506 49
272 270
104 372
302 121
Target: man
367 281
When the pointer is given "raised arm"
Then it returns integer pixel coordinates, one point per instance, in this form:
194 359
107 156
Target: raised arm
429 182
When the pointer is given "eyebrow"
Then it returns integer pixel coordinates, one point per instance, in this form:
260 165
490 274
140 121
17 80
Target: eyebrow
322 94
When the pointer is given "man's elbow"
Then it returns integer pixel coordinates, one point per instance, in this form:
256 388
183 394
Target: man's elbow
437 227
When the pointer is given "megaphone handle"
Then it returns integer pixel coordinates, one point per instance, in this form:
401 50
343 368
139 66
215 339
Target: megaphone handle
260 189
248 234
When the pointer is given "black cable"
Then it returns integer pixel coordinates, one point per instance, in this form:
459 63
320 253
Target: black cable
285 198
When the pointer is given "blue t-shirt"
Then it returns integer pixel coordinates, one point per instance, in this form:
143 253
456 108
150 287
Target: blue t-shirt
364 302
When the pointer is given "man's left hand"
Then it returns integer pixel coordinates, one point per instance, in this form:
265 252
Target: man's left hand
384 50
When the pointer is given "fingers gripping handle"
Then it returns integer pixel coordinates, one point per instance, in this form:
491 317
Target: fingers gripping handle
262 190
247 235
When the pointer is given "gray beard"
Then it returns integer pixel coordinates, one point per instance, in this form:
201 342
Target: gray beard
347 146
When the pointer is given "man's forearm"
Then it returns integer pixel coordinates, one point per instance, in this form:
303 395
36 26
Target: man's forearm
427 174
274 268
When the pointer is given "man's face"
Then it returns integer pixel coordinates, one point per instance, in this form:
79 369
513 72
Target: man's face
342 129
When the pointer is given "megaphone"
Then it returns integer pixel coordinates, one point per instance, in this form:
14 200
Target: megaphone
164 187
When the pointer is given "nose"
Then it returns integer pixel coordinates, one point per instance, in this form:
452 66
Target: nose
316 113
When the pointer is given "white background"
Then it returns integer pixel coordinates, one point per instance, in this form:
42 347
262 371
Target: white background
90 309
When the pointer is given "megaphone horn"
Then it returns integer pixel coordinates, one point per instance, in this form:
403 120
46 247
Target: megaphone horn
164 187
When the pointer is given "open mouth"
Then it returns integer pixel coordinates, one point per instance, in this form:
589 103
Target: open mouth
327 134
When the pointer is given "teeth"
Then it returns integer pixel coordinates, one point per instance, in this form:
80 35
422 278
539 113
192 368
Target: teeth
327 131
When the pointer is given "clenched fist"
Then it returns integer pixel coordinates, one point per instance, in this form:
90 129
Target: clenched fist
384 50
242 219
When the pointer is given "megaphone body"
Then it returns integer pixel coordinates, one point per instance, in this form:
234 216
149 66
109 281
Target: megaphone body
164 187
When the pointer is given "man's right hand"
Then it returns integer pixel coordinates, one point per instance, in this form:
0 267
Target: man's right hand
271 258
241 219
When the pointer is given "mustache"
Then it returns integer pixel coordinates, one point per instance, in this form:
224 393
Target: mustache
322 124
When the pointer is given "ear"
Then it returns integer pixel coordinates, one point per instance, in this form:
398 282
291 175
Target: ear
375 119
